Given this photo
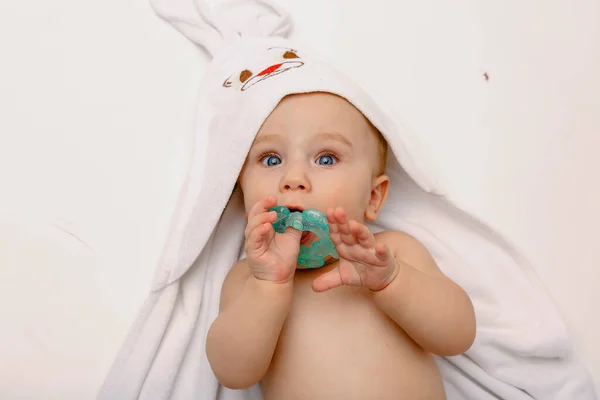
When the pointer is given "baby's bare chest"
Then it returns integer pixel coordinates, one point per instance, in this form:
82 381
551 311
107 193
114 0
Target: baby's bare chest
338 344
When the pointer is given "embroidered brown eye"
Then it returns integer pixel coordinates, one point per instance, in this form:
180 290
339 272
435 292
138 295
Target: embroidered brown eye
245 75
290 54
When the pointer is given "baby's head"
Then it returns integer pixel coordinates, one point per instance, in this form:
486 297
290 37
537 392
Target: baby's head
316 150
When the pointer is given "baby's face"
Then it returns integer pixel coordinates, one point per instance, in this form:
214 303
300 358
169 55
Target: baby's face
314 151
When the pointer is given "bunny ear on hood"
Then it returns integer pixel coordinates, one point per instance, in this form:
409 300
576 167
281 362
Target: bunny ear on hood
214 28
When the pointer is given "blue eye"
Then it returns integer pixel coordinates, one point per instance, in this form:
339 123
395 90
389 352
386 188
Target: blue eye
270 160
326 160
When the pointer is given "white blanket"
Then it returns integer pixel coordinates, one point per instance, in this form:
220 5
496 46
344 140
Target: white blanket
521 350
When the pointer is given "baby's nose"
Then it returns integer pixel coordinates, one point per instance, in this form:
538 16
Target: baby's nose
298 186
295 180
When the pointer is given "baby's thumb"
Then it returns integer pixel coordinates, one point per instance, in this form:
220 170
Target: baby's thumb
293 233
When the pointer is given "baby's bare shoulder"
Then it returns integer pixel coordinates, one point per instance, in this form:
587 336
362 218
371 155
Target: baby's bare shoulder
399 240
408 249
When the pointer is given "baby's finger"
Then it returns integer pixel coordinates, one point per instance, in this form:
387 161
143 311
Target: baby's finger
333 227
342 226
327 281
362 233
262 218
262 206
257 237
331 219
383 252
294 233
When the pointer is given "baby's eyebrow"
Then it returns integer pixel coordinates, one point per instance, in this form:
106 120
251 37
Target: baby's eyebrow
334 136
323 135
265 138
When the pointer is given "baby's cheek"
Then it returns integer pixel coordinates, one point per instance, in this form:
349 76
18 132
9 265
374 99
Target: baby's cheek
336 195
250 200
346 197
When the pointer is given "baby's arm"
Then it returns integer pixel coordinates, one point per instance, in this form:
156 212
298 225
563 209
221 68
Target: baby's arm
242 340
433 310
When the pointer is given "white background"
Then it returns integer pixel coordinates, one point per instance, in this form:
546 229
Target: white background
96 105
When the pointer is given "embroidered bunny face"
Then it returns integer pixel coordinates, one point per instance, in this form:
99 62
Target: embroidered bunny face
278 61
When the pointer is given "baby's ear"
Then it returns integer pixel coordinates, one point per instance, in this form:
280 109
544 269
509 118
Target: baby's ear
379 191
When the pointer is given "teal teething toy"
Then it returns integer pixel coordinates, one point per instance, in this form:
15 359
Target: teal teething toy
308 220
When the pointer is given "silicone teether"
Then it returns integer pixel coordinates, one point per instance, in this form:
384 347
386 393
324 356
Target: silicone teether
308 220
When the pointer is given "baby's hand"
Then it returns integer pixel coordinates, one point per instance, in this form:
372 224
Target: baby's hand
271 256
363 262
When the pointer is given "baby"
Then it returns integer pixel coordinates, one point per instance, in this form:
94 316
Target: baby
363 326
